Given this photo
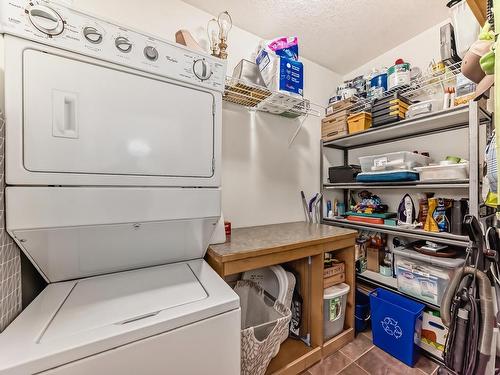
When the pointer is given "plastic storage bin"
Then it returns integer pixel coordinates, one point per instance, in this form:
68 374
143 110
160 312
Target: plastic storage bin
334 304
444 172
396 324
362 311
404 160
359 122
263 324
423 276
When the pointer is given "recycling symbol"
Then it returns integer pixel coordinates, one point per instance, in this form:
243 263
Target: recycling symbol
391 327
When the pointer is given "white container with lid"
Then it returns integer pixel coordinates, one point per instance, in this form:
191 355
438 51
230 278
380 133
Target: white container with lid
402 160
334 305
444 172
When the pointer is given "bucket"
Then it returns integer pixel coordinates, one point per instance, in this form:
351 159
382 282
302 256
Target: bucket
398 74
334 305
362 311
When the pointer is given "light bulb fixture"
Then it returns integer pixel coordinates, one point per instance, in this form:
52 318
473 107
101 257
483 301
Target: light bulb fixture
225 24
213 31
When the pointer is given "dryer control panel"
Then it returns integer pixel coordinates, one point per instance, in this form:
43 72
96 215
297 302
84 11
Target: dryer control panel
56 25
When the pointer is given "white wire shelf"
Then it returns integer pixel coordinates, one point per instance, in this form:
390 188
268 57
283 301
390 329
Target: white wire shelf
260 98
428 84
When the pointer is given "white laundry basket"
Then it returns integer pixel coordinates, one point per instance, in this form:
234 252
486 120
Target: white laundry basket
276 282
263 324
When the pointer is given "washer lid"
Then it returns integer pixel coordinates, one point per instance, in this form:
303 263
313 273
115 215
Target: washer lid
123 298
76 319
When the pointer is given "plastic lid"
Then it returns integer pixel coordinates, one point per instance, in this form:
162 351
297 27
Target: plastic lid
272 279
431 260
336 291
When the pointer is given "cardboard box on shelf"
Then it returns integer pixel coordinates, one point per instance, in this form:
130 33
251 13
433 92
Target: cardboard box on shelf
334 126
335 269
333 280
374 256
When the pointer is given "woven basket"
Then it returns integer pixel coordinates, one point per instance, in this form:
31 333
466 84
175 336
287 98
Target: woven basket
263 326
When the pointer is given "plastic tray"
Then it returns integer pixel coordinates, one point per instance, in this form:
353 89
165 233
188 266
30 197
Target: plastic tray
403 160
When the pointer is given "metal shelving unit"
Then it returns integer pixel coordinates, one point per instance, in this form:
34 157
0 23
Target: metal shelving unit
469 116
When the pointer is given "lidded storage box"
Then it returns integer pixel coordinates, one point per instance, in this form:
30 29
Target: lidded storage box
403 160
423 276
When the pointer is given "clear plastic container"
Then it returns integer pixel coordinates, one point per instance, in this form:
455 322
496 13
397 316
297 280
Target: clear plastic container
443 172
403 160
423 276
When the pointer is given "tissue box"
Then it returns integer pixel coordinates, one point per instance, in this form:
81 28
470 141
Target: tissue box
281 74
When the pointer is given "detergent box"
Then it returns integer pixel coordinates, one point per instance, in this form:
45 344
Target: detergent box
434 333
280 73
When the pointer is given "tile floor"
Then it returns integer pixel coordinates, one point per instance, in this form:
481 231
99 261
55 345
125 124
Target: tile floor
361 357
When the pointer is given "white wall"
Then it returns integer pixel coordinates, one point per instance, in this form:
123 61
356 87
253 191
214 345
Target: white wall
419 51
262 176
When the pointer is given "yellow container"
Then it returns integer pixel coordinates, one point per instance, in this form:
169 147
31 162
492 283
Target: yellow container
359 122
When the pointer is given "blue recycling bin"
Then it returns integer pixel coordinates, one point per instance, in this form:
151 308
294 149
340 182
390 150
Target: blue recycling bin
396 324
362 311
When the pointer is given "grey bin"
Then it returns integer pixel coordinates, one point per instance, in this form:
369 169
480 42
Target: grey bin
334 304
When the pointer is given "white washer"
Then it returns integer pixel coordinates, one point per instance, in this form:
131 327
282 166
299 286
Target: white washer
113 158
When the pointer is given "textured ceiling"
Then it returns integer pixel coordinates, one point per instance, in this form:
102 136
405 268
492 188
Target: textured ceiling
338 34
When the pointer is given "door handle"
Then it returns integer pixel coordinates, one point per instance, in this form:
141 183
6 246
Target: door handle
64 114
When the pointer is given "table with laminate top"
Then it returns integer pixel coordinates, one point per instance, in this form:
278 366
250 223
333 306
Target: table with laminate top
300 246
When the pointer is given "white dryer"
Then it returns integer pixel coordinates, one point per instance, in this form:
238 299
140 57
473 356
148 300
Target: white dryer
113 163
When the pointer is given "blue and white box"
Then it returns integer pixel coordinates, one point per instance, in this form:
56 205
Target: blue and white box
281 74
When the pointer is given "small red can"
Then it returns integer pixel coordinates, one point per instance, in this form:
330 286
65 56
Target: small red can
227 228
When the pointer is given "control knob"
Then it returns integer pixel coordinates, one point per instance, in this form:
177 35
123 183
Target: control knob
151 53
123 44
92 35
202 69
46 19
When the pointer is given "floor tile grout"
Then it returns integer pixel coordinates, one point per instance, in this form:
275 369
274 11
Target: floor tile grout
361 368
359 356
343 368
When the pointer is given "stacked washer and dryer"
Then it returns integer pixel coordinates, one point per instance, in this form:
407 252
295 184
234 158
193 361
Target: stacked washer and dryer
113 165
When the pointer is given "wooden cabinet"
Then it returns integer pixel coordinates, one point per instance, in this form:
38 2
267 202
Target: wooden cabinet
478 7
300 246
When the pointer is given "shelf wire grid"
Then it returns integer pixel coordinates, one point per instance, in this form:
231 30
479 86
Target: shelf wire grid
260 98
427 84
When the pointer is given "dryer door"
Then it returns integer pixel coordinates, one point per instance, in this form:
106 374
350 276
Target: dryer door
87 119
